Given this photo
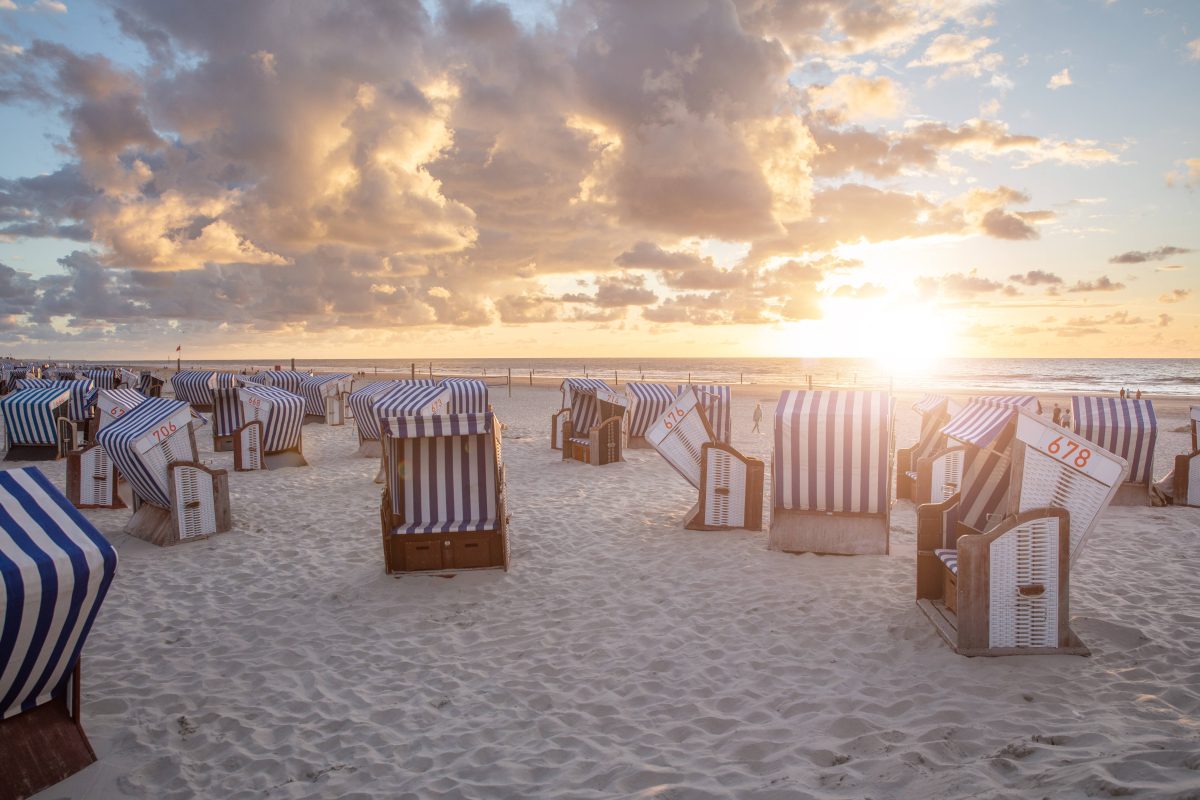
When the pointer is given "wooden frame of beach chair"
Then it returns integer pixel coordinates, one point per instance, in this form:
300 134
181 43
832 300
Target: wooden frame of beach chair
1127 428
42 740
175 497
469 518
150 385
599 413
938 476
31 424
92 479
829 497
1006 591
248 449
280 437
1187 466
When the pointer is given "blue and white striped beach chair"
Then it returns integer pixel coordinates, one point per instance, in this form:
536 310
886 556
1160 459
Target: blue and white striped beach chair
647 402
830 472
270 436
994 561
467 395
413 398
1127 428
55 571
324 395
32 422
443 504
591 422
175 498
226 417
194 387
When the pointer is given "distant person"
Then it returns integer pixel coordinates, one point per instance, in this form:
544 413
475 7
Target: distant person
1066 418
757 417
1057 414
1139 395
1122 392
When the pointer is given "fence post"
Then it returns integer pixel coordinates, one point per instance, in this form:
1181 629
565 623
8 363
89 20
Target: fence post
430 370
615 380
413 367
689 379
585 372
741 377
531 377
510 381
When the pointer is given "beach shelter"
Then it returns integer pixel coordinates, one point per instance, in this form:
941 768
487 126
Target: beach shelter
411 398
270 435
112 403
730 485
36 424
102 378
150 385
55 571
1128 429
194 387
647 402
591 421
467 395
226 417
717 401
287 379
129 379
175 498
319 390
82 404
443 503
1005 589
831 472
1186 476
929 470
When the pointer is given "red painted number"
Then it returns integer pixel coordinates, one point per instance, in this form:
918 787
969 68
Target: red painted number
1066 450
164 431
675 415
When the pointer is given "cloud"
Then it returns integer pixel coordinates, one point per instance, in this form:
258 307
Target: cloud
958 285
617 291
1101 284
1036 277
1002 225
1169 268
951 48
866 291
680 270
1164 320
1175 296
858 98
1059 79
1142 256
1187 174
52 6
1194 49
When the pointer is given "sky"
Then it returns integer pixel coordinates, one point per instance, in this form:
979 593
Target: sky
898 179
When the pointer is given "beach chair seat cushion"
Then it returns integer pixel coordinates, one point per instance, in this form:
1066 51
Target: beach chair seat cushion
949 557
457 526
580 441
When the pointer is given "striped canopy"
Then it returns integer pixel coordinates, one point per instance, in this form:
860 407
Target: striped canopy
315 388
115 402
55 570
83 394
980 422
930 402
362 401
647 401
716 400
934 410
467 395
583 396
129 378
288 379
147 381
103 378
194 386
1126 428
441 472
29 414
832 451
281 412
1021 400
227 411
130 438
405 399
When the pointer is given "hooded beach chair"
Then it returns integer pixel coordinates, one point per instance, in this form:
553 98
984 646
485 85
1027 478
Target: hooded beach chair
998 583
271 435
409 398
129 379
325 397
443 504
226 418
717 401
730 485
150 385
1126 428
92 478
934 410
36 423
287 379
831 472
101 378
194 387
55 571
361 404
592 430
175 498
467 395
647 402
1187 466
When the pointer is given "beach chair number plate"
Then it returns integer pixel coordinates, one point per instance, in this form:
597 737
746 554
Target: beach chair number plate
163 431
1078 454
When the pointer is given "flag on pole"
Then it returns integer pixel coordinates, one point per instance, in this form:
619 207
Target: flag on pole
178 348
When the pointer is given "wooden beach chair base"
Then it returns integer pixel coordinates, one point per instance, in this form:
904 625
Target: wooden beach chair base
199 507
222 444
92 479
32 452
43 746
443 551
945 622
1187 480
824 532
1132 494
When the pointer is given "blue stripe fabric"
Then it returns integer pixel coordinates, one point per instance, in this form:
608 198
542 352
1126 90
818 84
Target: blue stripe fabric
126 439
467 395
579 394
286 379
1125 427
281 412
29 414
929 402
716 400
83 394
227 411
406 399
362 402
194 386
647 402
102 378
980 422
313 390
55 570
115 402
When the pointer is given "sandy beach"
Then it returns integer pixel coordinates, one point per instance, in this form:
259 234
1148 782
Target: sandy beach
622 656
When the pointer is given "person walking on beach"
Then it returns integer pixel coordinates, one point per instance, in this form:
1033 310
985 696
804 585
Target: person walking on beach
1057 414
1138 396
757 417
1066 418
1122 392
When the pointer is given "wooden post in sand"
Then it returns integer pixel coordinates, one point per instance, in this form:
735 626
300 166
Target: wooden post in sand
617 382
430 370
531 377
413 368
510 381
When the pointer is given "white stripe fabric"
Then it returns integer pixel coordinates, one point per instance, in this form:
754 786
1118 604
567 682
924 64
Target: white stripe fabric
579 394
227 411
1124 427
83 394
55 570
102 378
467 395
112 403
194 386
406 399
832 451
288 379
929 403
130 380
647 402
281 413
980 422
362 401
131 437
315 388
717 402
29 414
442 472
1022 400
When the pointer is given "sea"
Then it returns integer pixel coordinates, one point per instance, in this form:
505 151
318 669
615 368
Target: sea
1155 376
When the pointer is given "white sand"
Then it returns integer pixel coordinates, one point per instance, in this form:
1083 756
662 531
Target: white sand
622 656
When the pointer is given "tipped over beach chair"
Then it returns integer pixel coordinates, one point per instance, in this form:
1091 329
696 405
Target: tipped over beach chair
1126 428
55 571
998 583
730 485
318 390
270 436
175 497
593 426
414 398
443 504
36 423
943 474
647 402
831 472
